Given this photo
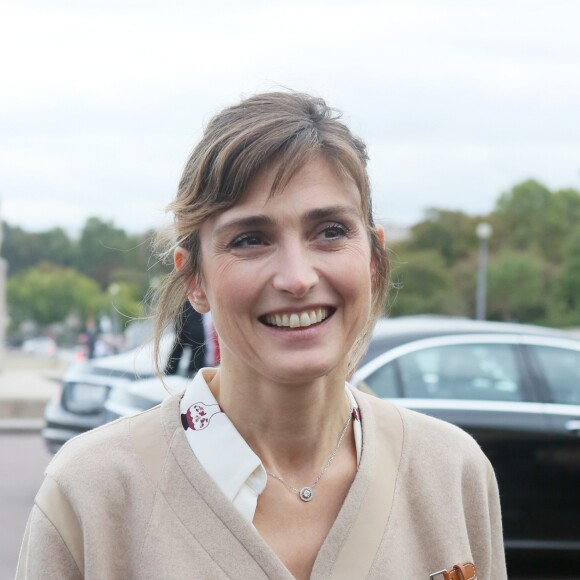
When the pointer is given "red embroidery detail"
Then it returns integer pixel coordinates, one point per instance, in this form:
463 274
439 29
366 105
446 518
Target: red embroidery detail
356 414
199 415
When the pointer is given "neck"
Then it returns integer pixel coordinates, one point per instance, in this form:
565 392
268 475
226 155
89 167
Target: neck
291 427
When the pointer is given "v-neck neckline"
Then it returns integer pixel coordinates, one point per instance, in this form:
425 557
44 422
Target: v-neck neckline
243 531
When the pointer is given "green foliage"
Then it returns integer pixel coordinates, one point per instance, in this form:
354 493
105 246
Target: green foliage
530 217
465 285
422 285
57 247
517 284
568 202
103 250
123 301
565 305
534 264
53 276
49 293
22 250
521 214
450 233
108 254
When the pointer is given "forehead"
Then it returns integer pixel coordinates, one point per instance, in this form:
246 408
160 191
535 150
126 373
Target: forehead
316 184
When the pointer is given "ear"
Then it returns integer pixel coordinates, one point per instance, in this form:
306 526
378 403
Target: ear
180 257
381 234
198 299
195 292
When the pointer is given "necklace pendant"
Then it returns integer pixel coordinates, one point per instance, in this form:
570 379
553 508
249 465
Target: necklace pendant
306 494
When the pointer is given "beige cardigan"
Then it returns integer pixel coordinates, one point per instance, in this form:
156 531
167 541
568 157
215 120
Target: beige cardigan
130 500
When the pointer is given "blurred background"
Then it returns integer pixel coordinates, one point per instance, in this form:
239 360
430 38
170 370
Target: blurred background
469 109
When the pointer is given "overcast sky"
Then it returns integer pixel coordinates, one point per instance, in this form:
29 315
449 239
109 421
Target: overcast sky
102 100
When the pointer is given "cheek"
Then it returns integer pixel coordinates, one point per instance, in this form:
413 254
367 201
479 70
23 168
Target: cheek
358 267
360 275
231 291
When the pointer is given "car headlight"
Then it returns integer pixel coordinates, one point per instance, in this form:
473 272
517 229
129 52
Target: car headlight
84 398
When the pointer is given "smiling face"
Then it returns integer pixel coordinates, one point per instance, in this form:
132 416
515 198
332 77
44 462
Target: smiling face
288 277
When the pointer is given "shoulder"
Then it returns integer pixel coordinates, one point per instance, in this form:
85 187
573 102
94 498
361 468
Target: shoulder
437 444
429 441
101 489
423 429
103 458
105 477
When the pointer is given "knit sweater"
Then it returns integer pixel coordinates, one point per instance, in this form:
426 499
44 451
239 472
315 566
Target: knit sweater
130 500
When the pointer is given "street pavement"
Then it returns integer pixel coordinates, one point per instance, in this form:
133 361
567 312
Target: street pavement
27 382
23 458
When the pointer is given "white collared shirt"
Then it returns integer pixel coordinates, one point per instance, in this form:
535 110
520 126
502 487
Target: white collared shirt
224 453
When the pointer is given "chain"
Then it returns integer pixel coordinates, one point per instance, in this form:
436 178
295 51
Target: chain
306 493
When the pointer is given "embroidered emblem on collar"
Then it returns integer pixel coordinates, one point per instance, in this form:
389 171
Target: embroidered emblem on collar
198 416
355 414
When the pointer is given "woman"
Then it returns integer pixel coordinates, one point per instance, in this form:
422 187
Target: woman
271 466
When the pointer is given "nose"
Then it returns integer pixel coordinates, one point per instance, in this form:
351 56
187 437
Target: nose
296 273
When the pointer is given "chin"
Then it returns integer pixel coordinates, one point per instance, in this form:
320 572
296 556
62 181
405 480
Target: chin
304 370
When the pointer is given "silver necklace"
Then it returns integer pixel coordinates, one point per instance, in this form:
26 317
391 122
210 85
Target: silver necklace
306 493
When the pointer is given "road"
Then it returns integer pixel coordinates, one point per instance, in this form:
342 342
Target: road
23 458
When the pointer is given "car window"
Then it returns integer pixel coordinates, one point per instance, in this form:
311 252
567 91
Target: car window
383 382
561 367
466 371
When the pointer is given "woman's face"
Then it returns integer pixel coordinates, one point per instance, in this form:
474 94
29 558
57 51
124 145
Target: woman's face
288 277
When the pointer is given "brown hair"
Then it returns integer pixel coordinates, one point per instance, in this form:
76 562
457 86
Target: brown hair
288 128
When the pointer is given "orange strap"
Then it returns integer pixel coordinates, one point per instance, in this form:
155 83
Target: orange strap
465 571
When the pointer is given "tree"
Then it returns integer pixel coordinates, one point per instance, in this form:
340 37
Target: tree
105 250
517 287
464 275
565 304
450 233
530 217
422 285
20 249
123 302
56 247
143 266
47 293
568 202
23 250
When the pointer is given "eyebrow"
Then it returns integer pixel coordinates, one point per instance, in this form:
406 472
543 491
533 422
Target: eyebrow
336 211
250 222
264 221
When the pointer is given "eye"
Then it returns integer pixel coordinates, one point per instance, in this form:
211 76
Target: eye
334 231
247 240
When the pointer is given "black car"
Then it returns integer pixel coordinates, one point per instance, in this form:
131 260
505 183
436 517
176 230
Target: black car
516 390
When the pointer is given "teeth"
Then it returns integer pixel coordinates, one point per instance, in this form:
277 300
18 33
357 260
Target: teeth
296 320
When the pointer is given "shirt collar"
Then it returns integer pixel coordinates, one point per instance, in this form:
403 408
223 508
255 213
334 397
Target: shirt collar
217 444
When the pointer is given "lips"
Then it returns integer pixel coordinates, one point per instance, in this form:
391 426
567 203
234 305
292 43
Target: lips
301 319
